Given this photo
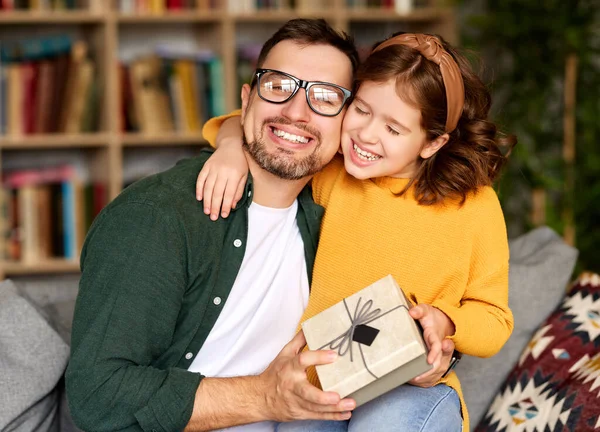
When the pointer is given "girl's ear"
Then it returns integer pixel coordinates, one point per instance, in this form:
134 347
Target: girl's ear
432 147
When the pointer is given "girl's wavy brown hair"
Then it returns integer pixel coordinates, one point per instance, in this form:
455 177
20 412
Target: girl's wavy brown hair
475 152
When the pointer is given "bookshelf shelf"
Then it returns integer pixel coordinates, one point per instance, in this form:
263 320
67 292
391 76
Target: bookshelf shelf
113 49
172 17
420 15
73 17
14 268
279 16
52 141
171 139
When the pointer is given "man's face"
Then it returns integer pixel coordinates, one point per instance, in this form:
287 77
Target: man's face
290 140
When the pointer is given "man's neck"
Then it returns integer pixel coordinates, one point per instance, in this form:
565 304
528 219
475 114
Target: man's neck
272 191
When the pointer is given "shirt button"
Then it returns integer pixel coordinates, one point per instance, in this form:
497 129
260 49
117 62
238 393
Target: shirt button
189 356
217 301
237 242
249 193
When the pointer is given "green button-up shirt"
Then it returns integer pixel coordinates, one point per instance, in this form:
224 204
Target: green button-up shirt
156 273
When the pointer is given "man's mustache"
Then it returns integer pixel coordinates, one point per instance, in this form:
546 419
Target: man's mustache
302 126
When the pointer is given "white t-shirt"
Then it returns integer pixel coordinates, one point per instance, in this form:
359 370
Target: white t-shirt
265 304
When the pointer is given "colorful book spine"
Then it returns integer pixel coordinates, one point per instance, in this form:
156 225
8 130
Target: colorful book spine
3 103
215 69
35 49
69 233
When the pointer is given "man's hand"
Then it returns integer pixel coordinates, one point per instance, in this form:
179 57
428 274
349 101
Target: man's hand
290 396
436 327
280 393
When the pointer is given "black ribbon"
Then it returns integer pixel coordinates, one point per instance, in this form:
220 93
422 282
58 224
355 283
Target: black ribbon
362 317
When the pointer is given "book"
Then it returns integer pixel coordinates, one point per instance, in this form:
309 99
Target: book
44 91
3 100
35 48
15 100
150 96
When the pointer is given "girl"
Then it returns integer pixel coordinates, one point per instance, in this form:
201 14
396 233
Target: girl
411 197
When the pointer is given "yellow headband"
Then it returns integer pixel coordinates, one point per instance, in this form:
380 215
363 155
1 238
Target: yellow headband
432 49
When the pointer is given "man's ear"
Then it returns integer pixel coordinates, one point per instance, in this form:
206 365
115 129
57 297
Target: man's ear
432 147
245 96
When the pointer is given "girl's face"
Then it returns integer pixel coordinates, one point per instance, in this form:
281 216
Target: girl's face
382 135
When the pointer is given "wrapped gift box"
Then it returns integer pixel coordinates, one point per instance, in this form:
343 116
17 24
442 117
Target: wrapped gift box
379 343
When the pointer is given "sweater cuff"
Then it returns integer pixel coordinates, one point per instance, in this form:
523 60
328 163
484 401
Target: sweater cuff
454 313
211 127
171 406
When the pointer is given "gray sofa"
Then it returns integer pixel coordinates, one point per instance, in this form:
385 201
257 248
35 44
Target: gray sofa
36 322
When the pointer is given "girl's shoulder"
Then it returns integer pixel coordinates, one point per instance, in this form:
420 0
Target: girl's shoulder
324 181
332 169
482 206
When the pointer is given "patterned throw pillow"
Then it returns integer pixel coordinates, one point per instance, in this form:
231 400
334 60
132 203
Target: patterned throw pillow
555 385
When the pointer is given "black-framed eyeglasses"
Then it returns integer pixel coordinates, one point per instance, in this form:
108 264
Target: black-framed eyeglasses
278 87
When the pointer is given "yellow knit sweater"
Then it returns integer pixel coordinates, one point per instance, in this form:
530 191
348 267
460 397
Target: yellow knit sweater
452 257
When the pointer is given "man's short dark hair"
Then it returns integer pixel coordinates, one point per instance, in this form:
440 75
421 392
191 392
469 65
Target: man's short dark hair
311 31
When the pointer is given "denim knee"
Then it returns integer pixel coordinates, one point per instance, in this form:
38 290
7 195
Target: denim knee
410 409
313 426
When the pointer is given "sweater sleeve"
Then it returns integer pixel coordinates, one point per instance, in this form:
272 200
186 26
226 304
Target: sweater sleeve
131 290
211 127
483 320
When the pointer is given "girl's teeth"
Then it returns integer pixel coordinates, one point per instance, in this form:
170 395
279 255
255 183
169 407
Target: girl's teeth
290 137
365 154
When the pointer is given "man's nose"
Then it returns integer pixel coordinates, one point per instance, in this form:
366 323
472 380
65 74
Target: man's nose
297 109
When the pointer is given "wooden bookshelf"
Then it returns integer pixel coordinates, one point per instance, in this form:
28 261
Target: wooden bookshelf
40 267
106 29
70 17
142 140
50 141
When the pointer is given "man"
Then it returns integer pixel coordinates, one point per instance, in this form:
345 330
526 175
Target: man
182 322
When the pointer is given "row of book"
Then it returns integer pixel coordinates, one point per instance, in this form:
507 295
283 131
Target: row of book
46 213
400 6
171 91
246 6
50 5
47 85
162 6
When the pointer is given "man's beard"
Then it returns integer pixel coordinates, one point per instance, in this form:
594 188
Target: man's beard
276 163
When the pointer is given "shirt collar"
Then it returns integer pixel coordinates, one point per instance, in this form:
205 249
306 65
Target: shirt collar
305 198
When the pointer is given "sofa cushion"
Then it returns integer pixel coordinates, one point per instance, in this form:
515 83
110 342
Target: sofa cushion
541 265
556 383
33 358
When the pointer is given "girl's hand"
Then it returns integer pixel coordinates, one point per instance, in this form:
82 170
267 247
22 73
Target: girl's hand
436 327
222 180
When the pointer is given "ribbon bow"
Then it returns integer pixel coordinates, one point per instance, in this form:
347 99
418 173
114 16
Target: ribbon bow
362 316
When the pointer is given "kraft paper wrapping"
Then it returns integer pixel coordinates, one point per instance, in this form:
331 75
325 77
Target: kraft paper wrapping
380 345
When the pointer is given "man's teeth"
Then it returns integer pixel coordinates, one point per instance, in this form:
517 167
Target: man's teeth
290 137
365 154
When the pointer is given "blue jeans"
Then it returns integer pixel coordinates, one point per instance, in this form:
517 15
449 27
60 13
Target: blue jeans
406 409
